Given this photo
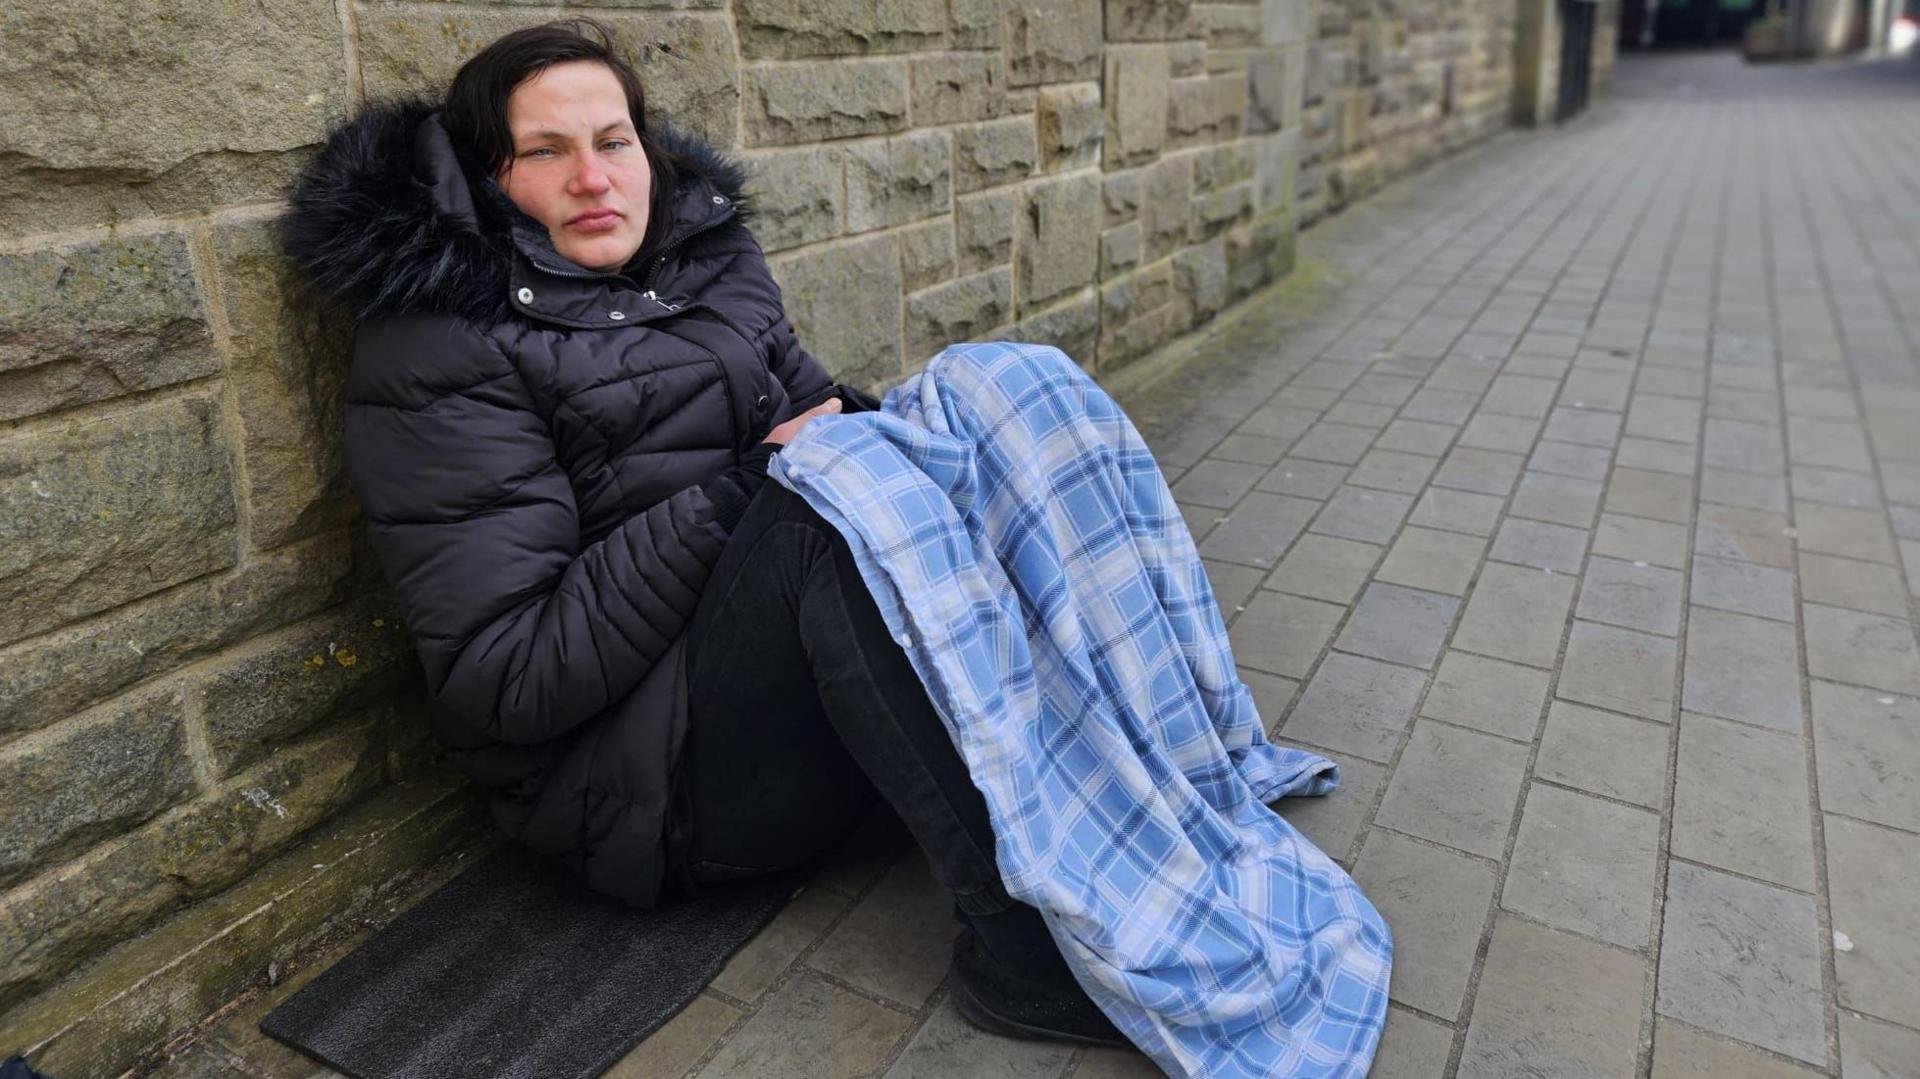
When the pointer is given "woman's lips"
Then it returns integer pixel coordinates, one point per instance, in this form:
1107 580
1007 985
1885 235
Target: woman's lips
596 221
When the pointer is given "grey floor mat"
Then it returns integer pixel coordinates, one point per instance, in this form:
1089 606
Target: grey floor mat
512 969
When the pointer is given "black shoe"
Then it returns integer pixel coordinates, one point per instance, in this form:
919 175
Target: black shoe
999 1000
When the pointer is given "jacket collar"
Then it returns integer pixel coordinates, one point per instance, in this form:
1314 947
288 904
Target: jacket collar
386 221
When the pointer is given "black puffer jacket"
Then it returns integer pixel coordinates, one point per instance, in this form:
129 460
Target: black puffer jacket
549 460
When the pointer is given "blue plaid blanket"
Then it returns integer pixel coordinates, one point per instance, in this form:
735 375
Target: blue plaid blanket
1026 552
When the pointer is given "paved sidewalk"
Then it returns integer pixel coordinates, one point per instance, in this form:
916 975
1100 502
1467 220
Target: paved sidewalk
1572 525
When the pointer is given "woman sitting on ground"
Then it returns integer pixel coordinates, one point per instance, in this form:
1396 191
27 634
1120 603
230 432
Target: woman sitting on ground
571 369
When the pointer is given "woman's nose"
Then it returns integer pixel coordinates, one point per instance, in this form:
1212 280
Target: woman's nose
589 178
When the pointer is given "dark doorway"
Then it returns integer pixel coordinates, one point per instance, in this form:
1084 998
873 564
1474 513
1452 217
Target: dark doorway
1576 56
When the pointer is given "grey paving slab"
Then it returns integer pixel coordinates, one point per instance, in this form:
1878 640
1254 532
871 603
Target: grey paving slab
1411 1047
1742 667
1433 560
1660 496
1251 449
1857 490
1828 443
949 1047
1333 821
762 959
1860 586
1358 513
1540 545
1675 419
1680 1052
1356 705
1360 414
1232 584
1487 694
1417 436
1742 959
1867 745
1259 529
1614 755
1434 405
1516 613
1282 634
1436 902
1742 587
1619 669
1457 511
1743 447
1398 624
1426 797
1637 539
1652 455
1870 1049
1282 422
1568 459
1642 597
1871 872
1334 442
1740 801
1843 531
1325 567
1749 490
1744 534
1585 865
898 942
1271 694
1596 389
1520 395
1303 479
1392 470
811 1027
1487 472
1216 483
1116 1064
1493 431
1583 426
1563 500
1531 1020
1862 648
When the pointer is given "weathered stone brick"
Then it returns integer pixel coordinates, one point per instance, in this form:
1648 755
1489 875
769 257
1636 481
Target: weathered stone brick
1167 189
1205 110
1276 171
1224 166
91 779
63 916
1120 196
957 311
1070 126
1120 249
926 253
1273 90
789 28
280 686
1137 87
1149 20
798 196
827 99
1186 57
1259 254
1200 277
288 365
844 300
896 180
1052 41
1284 22
973 24
983 226
953 88
1058 245
57 674
686 59
93 321
1072 326
1137 293
201 107
1229 26
97 513
1215 211
993 153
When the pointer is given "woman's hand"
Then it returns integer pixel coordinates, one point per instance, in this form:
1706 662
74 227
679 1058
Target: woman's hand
784 433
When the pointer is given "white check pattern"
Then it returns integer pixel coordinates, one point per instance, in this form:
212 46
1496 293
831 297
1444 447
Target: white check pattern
1023 547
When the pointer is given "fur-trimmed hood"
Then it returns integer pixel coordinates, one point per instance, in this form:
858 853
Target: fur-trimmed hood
386 222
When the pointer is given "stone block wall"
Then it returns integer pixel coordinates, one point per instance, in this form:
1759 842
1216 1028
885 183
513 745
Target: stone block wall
1394 84
202 682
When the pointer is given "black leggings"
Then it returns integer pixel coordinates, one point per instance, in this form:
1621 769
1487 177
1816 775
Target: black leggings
802 706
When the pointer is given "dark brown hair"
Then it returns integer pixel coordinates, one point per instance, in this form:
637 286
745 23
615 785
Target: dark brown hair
475 111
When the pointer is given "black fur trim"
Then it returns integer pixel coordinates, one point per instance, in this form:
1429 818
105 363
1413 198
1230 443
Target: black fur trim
366 232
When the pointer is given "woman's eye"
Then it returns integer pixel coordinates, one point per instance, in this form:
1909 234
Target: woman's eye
614 144
538 151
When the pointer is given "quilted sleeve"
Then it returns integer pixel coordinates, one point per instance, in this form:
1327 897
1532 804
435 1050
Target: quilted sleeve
524 633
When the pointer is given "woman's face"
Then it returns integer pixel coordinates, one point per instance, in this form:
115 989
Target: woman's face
577 166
